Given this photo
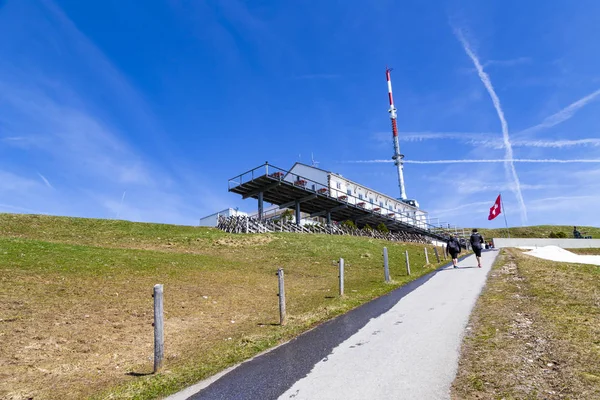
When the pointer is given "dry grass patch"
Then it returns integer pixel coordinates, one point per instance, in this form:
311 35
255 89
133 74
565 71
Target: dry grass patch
76 319
534 333
587 251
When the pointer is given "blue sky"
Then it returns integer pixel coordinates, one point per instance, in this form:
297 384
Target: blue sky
114 111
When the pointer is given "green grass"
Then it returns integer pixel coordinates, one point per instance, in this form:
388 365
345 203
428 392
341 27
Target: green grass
539 231
534 333
76 311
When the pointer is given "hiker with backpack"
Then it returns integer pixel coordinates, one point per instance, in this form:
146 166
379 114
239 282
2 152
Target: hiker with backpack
476 243
453 248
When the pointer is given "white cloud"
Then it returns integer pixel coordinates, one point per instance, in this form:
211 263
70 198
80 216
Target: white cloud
63 124
490 139
562 115
488 161
11 183
45 180
508 156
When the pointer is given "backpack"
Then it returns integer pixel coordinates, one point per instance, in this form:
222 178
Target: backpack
453 245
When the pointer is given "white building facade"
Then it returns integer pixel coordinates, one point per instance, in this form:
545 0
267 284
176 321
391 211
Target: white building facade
354 193
211 220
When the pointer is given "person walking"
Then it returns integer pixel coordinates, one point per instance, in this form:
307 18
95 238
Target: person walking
453 248
477 243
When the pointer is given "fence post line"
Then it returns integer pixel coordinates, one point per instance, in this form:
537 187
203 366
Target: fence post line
281 294
159 333
341 276
407 263
386 266
444 251
426 256
437 255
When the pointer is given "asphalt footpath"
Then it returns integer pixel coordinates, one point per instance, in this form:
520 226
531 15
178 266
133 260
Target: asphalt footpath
404 345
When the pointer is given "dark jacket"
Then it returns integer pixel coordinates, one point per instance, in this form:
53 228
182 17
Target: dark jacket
453 245
476 240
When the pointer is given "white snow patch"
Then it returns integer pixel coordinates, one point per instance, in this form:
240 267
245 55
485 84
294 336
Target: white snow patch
556 253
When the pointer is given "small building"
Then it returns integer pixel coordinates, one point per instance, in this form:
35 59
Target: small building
211 220
344 189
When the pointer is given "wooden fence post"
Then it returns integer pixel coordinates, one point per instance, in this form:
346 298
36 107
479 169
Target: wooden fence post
386 266
159 333
341 276
437 255
426 257
407 263
281 295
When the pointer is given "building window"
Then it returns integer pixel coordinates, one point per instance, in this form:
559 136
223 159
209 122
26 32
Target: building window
371 200
360 196
338 185
314 187
381 204
349 192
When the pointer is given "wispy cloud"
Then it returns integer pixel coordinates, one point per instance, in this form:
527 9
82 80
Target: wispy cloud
509 164
554 144
45 181
11 183
485 161
77 139
472 187
91 147
494 140
421 136
121 204
500 63
562 115
468 206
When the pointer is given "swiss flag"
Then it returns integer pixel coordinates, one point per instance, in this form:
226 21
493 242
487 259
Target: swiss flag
495 210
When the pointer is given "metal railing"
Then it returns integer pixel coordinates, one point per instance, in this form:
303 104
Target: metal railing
324 190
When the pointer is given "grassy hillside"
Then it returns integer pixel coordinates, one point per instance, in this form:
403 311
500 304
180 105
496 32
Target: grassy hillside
540 231
76 306
534 333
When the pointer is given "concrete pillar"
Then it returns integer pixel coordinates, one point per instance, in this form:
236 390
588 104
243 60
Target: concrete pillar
328 219
297 213
260 206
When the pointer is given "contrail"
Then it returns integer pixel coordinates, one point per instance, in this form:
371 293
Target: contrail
420 136
485 161
451 210
509 165
45 181
564 114
121 204
487 139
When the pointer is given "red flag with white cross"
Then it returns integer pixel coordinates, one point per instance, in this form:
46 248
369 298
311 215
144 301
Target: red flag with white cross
496 209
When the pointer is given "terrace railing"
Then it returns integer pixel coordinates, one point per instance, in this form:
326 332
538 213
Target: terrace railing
309 185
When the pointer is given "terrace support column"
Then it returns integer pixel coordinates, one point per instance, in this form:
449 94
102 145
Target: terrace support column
297 213
328 219
260 206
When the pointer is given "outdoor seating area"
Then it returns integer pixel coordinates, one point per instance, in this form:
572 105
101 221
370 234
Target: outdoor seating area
579 235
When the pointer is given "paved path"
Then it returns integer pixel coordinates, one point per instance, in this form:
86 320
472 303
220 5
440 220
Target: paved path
404 345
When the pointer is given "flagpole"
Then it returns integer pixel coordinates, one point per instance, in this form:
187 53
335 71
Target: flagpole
504 212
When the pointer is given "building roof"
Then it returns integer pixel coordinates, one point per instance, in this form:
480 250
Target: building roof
310 166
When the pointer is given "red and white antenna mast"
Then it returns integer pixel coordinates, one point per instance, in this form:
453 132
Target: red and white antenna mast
398 158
